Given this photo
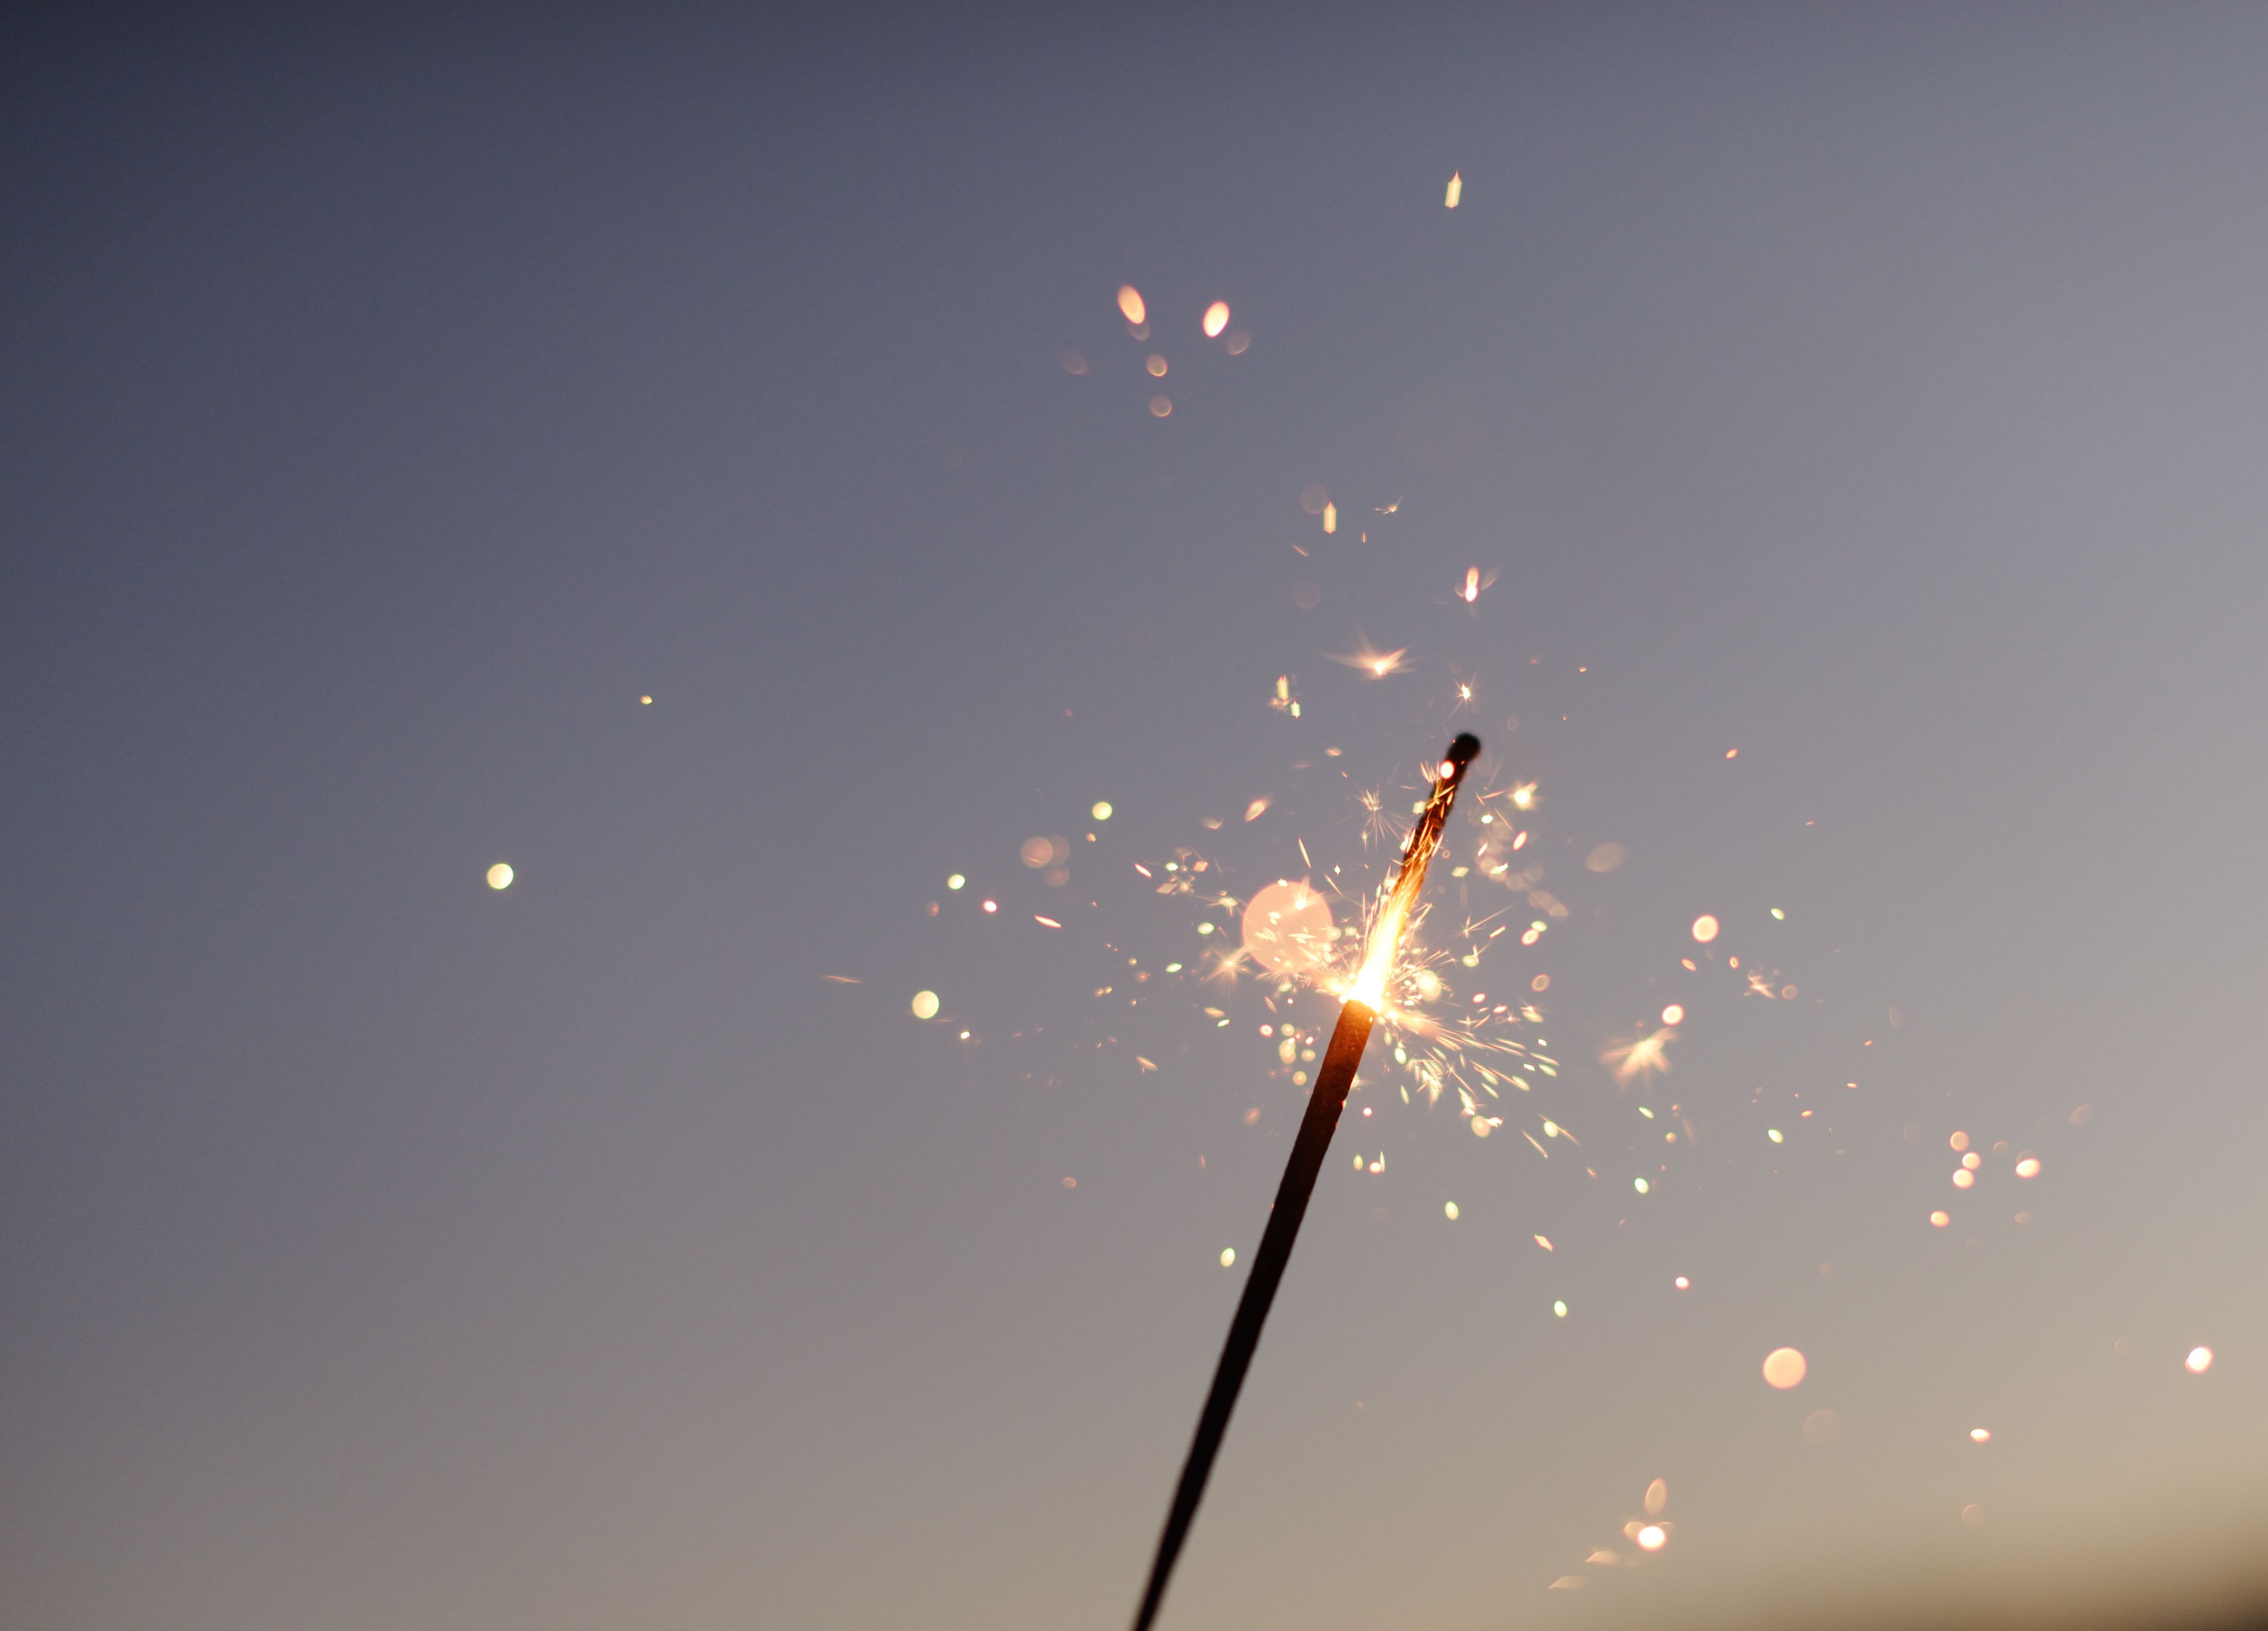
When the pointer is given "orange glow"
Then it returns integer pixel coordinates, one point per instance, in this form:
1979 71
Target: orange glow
1682 1283
1672 1015
1784 1368
1963 1178
2029 1168
1704 928
1653 1537
1972 1160
1980 1435
1939 1220
1130 303
1216 318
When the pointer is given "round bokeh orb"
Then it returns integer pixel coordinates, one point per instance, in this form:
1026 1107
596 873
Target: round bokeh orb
1287 928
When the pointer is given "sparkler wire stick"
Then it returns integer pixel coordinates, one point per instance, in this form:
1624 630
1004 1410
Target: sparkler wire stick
1333 1079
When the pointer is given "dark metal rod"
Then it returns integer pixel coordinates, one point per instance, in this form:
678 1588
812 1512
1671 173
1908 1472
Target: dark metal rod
1333 1079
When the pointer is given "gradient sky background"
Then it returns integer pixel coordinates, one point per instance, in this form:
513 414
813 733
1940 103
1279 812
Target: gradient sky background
391 402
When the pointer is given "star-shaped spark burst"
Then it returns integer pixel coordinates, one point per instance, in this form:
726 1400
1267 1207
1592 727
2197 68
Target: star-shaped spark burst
1643 1057
1376 664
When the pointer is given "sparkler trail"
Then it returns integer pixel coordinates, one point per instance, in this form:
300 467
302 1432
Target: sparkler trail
1333 1079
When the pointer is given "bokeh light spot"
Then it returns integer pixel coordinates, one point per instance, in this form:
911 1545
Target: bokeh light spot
1784 1368
1704 928
1287 928
500 876
925 1004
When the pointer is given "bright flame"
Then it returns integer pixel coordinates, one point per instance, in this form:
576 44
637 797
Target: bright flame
1385 942
1130 303
1216 318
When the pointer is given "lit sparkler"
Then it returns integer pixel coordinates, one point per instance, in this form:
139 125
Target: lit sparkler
1333 1079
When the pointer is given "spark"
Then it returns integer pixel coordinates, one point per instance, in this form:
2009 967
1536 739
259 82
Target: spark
1129 305
1456 189
1641 1057
1376 664
1475 582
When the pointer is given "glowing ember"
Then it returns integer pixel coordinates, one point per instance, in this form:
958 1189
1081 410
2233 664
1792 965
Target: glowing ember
1129 304
1784 1368
1216 318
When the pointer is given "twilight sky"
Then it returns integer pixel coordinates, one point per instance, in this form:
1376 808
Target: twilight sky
393 404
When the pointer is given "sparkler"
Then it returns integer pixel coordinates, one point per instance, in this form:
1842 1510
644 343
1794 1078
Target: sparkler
1365 997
